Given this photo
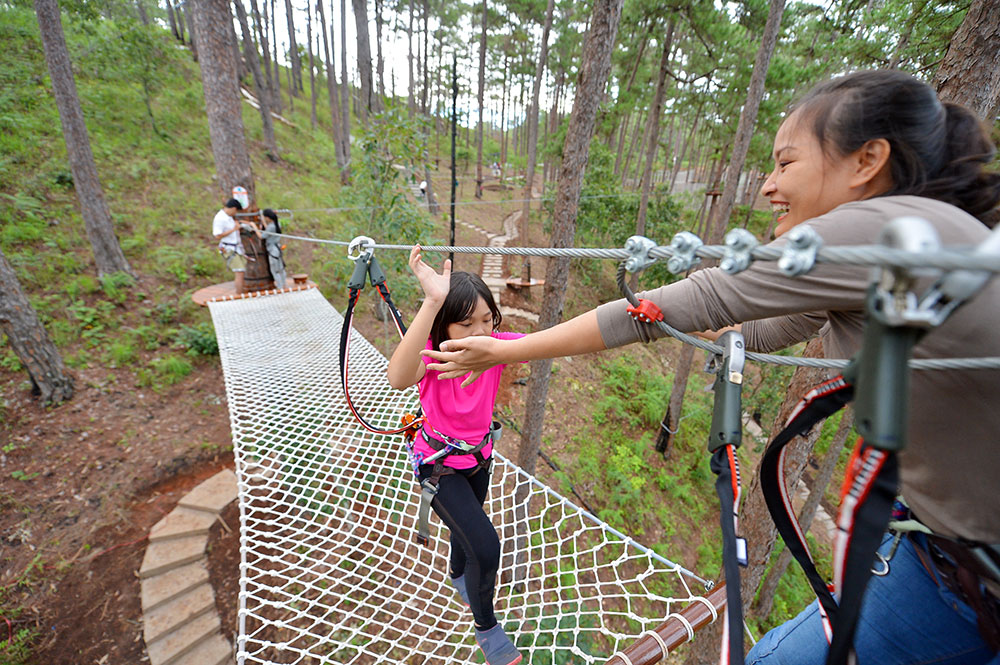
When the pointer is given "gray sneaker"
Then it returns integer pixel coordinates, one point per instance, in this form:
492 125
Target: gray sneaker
497 647
459 584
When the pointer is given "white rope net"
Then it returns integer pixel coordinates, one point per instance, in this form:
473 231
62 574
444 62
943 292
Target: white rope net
330 571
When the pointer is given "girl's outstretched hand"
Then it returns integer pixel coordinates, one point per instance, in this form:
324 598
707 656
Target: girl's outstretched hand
435 285
458 357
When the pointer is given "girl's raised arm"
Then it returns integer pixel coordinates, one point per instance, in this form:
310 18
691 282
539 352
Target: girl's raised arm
477 354
405 367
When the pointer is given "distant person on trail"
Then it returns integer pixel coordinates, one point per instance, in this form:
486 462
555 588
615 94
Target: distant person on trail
423 189
226 230
855 153
273 245
459 420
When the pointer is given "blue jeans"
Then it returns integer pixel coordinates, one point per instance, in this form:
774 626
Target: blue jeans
906 619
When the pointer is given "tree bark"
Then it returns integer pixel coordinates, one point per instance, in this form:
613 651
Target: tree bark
173 21
755 521
654 131
260 84
367 105
278 103
536 88
765 599
594 69
222 97
293 51
748 117
970 71
261 31
189 15
479 99
30 341
379 63
410 99
427 57
100 231
312 71
331 86
345 97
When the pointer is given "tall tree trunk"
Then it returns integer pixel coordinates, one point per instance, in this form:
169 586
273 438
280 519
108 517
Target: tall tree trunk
636 133
675 405
748 117
684 148
100 231
503 114
379 63
278 102
312 71
553 124
654 130
242 69
970 71
222 97
260 84
427 70
30 341
345 97
410 100
331 85
261 30
755 521
366 105
293 52
765 599
479 99
623 134
173 21
529 182
189 15
594 69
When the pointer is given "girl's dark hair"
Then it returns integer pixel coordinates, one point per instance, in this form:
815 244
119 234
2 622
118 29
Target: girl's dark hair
937 150
233 203
463 294
273 216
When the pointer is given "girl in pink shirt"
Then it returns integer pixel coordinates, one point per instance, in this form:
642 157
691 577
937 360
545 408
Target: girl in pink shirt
459 421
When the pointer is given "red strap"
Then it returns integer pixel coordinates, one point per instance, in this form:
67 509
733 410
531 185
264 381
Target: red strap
646 312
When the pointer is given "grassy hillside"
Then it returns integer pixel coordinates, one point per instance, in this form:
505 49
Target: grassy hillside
147 341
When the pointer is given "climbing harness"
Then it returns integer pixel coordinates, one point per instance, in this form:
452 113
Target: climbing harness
412 425
877 379
725 436
445 446
365 266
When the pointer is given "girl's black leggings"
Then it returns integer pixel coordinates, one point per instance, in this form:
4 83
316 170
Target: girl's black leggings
475 545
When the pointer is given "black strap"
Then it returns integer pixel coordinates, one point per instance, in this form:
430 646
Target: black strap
727 485
865 512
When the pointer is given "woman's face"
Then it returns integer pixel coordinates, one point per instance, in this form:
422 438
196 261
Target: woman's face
480 322
805 182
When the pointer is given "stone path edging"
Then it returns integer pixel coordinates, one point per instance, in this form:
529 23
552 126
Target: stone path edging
180 622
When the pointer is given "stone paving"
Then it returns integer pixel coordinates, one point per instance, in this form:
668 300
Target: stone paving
180 623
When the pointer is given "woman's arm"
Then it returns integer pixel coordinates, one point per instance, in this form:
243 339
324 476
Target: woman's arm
477 354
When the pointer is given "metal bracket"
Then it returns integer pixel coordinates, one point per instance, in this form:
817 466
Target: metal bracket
684 244
893 301
727 410
954 288
638 247
739 245
364 243
799 254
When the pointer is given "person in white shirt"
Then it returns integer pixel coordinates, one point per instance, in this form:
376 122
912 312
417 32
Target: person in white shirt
226 230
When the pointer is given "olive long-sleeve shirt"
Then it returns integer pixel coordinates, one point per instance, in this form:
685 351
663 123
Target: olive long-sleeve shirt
950 468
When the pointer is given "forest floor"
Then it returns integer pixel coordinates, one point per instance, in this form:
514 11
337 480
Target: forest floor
81 484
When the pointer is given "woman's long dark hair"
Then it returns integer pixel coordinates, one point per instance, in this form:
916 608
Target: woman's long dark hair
273 216
464 292
937 150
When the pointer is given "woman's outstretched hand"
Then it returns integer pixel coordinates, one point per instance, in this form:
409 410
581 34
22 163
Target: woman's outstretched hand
458 357
435 285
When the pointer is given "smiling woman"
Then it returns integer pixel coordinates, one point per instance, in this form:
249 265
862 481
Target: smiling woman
856 153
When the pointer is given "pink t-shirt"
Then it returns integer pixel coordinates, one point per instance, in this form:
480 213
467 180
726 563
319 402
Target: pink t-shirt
461 413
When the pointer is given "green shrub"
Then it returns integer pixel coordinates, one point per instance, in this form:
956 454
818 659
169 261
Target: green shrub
171 369
199 339
80 286
116 286
121 354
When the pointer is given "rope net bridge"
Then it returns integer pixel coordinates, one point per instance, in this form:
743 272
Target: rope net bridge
330 571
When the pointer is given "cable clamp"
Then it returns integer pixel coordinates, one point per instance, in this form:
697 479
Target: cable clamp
893 301
739 245
799 254
684 246
638 247
645 312
363 243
